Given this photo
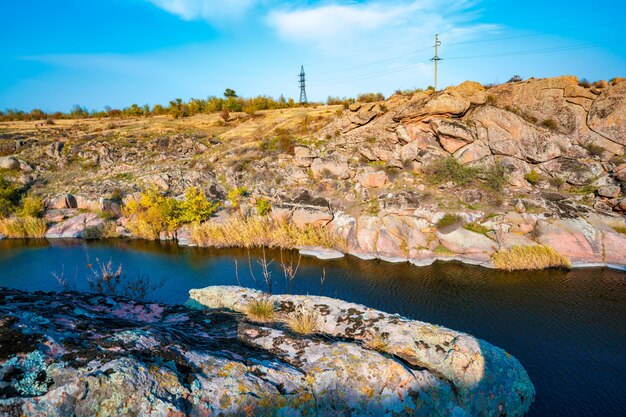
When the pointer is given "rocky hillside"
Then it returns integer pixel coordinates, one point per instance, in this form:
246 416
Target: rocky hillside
73 354
534 162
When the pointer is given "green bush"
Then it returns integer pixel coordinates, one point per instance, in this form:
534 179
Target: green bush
449 169
9 197
154 213
92 233
556 182
533 177
477 228
263 207
594 150
496 177
449 220
32 206
283 142
195 207
370 97
234 196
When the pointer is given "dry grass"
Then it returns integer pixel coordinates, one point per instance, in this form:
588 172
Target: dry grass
302 322
377 342
23 227
529 257
261 310
259 231
620 229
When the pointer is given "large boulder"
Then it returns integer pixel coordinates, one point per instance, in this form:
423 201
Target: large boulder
485 379
373 179
331 167
397 236
470 90
304 217
574 238
74 227
465 242
608 112
508 134
9 162
147 359
541 99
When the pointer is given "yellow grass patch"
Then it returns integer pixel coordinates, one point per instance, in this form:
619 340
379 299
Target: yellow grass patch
23 227
260 231
261 309
302 322
529 257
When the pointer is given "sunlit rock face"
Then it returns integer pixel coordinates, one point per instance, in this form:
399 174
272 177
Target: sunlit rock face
76 354
449 370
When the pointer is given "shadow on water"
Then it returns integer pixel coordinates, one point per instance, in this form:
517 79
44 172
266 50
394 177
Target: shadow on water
566 328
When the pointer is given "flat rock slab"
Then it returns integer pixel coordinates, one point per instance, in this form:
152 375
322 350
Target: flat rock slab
73 354
320 253
483 377
74 227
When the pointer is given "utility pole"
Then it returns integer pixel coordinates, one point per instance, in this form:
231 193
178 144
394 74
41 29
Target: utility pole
436 58
303 99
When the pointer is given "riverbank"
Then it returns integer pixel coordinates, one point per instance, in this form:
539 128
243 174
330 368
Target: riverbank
526 174
505 241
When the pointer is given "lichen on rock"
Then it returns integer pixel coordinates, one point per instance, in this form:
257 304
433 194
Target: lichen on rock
84 355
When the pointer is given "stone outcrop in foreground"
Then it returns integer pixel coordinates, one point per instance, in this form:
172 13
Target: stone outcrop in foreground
75 354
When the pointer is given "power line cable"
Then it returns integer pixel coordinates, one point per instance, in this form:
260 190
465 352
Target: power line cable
540 51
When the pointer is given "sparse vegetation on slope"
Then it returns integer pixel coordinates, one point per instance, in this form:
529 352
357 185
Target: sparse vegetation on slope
449 169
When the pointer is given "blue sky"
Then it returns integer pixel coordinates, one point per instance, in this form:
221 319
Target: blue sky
55 54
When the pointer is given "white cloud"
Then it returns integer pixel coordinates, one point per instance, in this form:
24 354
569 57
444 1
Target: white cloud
332 28
213 11
331 21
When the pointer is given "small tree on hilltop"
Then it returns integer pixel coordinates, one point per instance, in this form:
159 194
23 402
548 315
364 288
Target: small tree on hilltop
228 93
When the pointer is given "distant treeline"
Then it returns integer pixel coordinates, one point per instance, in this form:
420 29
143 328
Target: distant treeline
178 108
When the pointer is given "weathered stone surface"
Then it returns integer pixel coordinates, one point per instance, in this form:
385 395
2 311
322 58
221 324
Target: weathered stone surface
74 227
610 191
508 134
417 134
452 134
372 179
483 376
471 90
463 241
541 99
608 113
445 103
9 162
573 238
303 217
74 354
364 114
473 152
331 167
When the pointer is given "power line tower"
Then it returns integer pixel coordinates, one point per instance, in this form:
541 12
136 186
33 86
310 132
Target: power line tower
436 58
303 99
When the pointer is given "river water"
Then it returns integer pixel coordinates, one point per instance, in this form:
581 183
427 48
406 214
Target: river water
568 329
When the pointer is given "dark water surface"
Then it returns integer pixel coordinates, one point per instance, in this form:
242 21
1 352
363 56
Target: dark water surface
568 329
